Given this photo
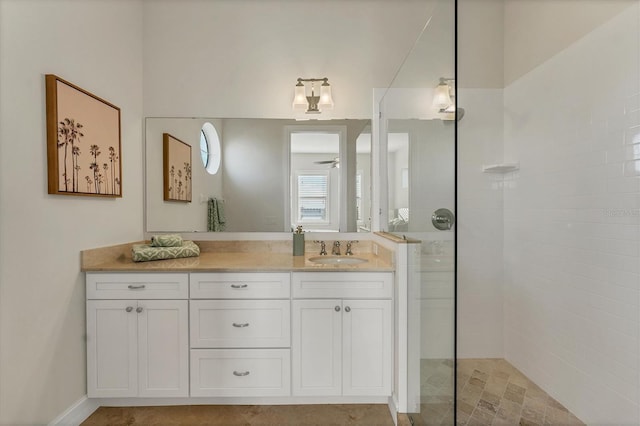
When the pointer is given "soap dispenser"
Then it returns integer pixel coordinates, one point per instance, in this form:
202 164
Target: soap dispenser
298 242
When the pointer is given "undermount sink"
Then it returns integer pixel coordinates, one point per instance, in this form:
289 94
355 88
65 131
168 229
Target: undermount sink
337 260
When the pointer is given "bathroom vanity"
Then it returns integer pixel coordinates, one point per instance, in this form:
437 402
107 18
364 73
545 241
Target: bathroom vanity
228 326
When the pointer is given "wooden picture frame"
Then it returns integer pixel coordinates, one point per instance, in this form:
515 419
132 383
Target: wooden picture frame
176 159
84 152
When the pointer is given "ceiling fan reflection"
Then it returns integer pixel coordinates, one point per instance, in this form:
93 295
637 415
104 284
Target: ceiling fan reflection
335 163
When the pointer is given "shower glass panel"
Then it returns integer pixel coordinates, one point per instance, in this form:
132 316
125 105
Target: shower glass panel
418 128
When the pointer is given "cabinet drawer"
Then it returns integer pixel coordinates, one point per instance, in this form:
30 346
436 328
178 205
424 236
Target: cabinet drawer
240 323
360 285
137 286
232 285
240 372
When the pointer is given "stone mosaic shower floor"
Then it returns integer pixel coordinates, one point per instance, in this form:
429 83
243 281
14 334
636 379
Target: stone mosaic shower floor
490 392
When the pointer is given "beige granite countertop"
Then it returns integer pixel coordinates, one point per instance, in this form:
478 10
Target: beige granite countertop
268 257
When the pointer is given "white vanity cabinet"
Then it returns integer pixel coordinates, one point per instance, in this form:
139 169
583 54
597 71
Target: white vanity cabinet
240 335
342 333
137 335
289 335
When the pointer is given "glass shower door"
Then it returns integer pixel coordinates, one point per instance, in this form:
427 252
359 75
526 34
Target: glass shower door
418 128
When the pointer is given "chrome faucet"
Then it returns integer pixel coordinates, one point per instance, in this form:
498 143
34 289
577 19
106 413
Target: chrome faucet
323 248
336 248
349 252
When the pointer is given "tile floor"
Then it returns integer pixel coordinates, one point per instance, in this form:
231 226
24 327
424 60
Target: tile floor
232 415
490 392
493 392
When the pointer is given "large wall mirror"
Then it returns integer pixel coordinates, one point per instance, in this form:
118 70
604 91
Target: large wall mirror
271 175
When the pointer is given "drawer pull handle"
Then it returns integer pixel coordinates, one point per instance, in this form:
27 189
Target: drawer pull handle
139 309
337 308
347 309
238 286
129 308
240 373
136 287
244 324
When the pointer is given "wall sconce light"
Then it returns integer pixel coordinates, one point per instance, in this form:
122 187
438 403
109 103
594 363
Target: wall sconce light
313 104
444 99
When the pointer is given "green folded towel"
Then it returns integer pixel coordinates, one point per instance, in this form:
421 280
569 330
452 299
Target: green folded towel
146 252
166 240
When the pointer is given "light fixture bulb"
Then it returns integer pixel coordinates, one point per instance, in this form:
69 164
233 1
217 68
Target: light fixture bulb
299 97
441 97
326 101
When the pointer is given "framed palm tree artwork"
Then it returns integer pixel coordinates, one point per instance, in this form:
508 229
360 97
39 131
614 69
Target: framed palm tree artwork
84 154
176 169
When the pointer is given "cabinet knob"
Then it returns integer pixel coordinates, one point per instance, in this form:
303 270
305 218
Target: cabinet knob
347 309
337 308
241 325
240 373
129 308
139 309
238 286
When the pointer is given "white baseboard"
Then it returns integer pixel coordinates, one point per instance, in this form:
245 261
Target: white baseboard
78 412
273 400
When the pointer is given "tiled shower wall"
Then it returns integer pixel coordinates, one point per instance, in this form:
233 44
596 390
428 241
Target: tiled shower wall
480 225
572 224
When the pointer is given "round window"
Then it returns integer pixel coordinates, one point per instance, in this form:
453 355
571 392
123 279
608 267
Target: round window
204 149
210 148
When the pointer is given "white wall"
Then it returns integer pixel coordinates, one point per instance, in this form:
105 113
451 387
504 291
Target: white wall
97 45
230 58
572 229
536 30
481 44
255 171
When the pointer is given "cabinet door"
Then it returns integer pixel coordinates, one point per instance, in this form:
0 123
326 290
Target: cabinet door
163 348
317 347
367 346
112 348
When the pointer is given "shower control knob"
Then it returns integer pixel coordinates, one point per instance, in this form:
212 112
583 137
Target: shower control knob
443 219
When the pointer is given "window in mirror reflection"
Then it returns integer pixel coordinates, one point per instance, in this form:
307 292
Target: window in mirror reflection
313 198
204 149
315 179
210 148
